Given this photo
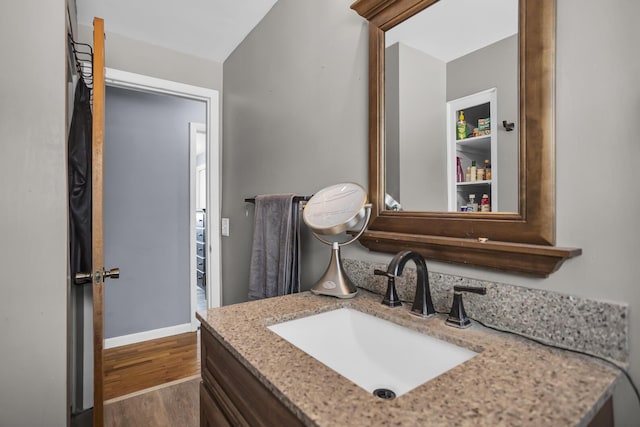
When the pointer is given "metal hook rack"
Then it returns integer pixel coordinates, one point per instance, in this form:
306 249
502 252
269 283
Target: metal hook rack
83 55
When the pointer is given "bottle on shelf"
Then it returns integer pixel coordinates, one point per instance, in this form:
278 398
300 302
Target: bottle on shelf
459 173
485 205
474 171
480 176
487 170
472 206
461 127
467 177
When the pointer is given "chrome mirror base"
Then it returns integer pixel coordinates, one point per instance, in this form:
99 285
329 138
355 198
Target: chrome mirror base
334 281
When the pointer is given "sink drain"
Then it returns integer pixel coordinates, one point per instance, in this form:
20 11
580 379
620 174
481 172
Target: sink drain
384 393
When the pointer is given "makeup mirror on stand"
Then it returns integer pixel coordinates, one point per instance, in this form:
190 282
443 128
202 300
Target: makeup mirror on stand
331 211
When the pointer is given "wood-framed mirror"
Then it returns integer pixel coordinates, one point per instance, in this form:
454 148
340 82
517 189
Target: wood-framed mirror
519 242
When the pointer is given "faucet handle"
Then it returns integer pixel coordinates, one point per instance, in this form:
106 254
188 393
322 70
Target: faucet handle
391 297
459 288
383 273
458 316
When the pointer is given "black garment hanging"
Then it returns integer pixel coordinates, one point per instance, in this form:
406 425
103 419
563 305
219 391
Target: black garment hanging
79 166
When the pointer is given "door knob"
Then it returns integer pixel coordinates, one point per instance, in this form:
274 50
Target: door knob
98 276
114 273
81 278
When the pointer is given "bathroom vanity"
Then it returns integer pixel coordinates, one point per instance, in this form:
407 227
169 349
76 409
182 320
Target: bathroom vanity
253 377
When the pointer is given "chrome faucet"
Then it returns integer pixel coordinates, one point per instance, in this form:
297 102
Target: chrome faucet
422 303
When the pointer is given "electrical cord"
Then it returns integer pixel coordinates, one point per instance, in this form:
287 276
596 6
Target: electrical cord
604 359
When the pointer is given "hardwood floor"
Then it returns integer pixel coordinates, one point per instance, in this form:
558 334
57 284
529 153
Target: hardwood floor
148 364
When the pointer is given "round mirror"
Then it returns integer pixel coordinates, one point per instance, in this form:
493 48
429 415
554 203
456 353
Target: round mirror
335 209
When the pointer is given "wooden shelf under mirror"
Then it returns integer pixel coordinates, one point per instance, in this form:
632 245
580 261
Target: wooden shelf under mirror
519 242
521 258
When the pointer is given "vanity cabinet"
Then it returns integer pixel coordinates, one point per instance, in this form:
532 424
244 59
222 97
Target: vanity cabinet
230 395
478 142
250 377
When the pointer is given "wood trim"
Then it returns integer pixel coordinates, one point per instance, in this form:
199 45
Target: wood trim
535 222
385 14
376 120
97 220
152 389
520 258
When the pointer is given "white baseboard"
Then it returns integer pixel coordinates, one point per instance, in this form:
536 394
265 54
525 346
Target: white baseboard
148 335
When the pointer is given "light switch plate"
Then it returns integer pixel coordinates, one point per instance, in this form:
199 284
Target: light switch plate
225 227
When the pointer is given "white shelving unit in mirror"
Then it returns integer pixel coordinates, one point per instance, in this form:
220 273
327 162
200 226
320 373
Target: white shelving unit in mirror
472 160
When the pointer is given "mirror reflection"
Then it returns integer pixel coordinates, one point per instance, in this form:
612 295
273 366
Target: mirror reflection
451 108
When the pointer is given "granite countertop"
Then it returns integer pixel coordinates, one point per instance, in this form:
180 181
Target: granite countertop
511 381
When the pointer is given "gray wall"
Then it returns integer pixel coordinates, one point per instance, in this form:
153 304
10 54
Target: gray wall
494 66
392 120
423 137
295 95
33 205
294 120
415 129
146 209
126 54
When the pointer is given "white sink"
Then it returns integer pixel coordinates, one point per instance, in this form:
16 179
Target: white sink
372 352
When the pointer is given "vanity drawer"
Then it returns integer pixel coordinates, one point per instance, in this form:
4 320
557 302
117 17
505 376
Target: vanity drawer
201 279
200 235
243 399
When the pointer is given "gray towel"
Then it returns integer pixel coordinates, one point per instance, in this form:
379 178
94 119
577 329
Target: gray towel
275 256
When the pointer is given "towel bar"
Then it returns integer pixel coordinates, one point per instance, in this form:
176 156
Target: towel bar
295 199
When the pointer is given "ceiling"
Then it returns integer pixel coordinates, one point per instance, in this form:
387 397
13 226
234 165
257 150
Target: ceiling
212 29
209 29
453 28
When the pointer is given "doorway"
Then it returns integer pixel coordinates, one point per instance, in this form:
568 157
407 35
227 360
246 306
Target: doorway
198 187
210 99
152 213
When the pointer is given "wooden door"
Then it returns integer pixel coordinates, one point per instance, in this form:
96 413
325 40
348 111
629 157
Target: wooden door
98 272
97 220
